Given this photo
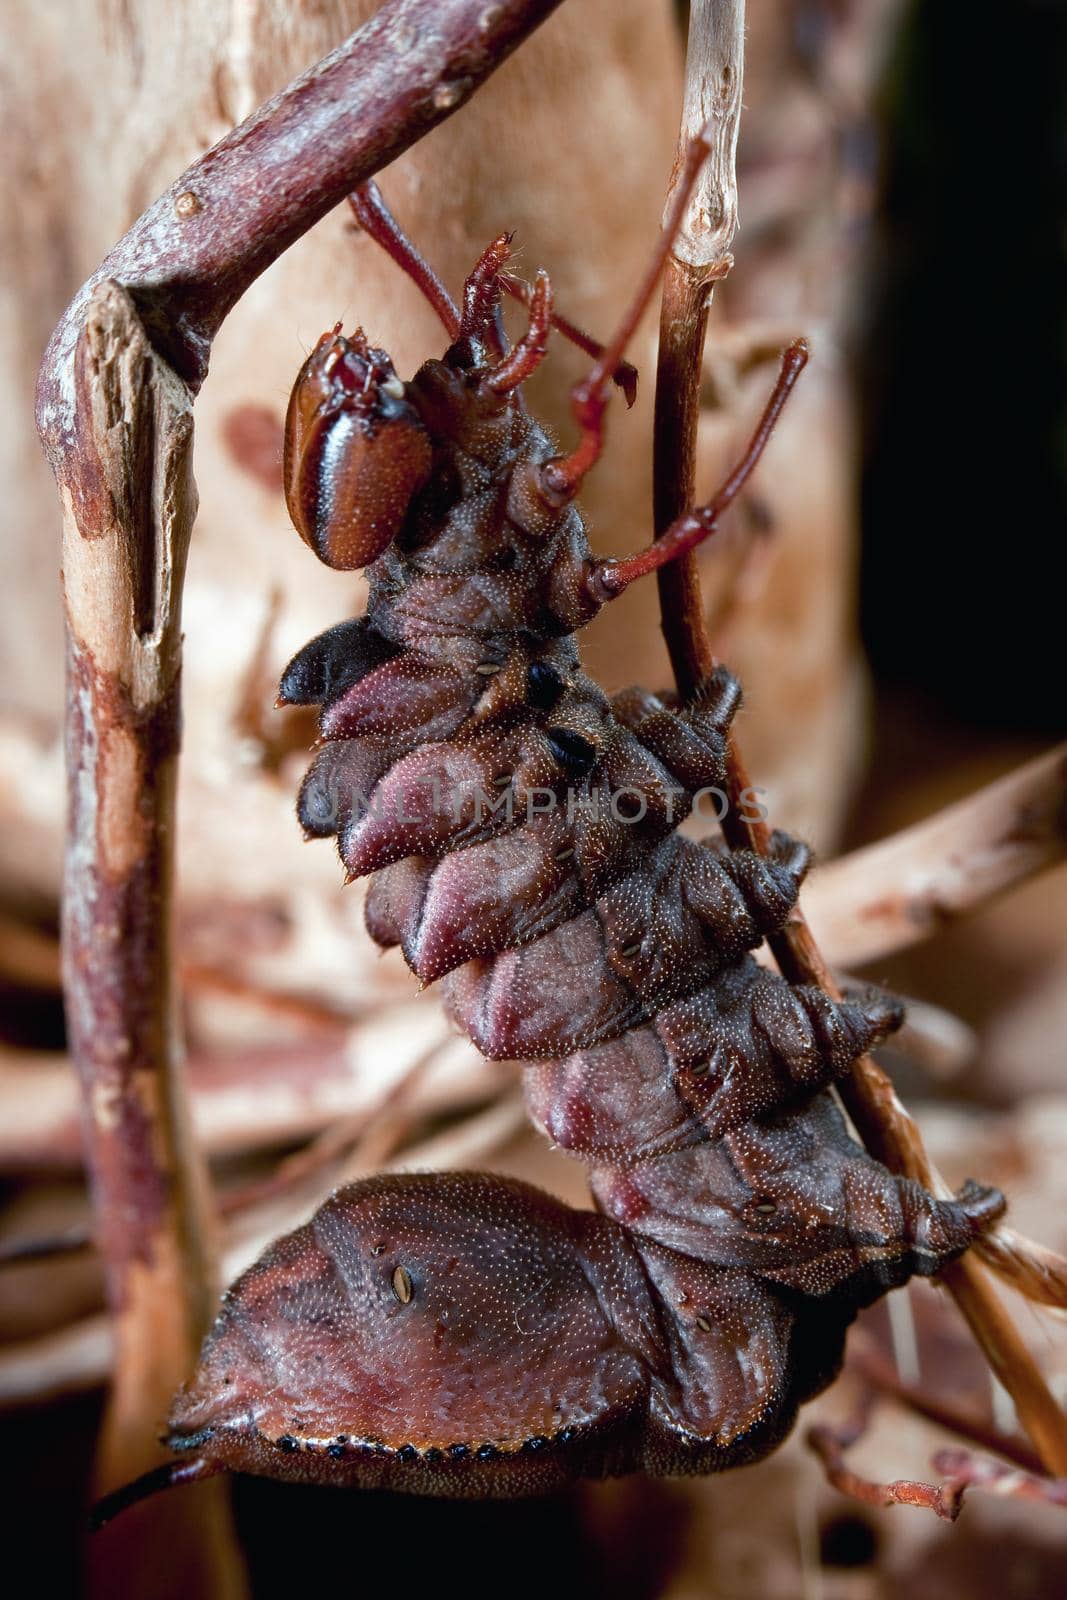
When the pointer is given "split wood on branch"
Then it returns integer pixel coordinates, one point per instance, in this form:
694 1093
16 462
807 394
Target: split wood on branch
714 74
114 410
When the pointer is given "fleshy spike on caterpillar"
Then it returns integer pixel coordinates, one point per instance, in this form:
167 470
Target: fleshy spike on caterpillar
462 1334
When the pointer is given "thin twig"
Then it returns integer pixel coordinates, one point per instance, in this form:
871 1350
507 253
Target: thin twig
961 1469
880 1119
700 259
831 1441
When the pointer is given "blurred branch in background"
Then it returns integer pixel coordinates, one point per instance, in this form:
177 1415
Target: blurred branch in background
905 888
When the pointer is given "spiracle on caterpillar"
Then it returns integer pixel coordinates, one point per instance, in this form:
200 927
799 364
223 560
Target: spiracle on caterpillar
463 1334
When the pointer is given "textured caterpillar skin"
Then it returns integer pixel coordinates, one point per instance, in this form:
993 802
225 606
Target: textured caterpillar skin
467 1335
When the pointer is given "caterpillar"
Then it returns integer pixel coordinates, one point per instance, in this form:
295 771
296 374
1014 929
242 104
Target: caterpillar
464 1334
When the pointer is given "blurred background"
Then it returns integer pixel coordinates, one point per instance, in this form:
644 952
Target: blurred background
889 592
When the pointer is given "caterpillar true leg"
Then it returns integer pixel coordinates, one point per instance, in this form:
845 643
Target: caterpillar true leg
375 218
528 354
561 477
610 578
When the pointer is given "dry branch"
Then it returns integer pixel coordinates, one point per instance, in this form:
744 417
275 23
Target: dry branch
883 1124
892 894
700 258
129 504
830 1444
188 259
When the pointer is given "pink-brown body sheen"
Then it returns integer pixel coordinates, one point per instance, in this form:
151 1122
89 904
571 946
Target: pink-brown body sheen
463 1334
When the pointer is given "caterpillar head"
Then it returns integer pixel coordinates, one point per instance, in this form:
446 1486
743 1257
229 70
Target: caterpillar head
356 451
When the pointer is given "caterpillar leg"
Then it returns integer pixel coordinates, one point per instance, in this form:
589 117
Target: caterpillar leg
691 742
523 360
609 578
885 1228
332 662
375 218
561 477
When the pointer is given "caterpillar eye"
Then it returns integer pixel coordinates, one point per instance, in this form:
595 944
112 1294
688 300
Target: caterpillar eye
568 747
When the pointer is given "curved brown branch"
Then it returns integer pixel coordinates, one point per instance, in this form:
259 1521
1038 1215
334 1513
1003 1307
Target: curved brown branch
830 1444
129 502
188 259
882 1122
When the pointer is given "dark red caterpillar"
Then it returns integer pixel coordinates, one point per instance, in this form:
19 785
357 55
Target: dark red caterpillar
463 1334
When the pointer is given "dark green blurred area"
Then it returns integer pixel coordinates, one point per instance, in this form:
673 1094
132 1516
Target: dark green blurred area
963 367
